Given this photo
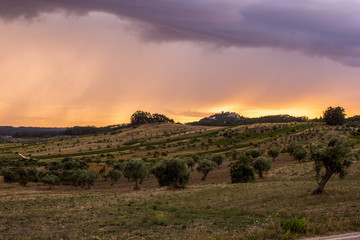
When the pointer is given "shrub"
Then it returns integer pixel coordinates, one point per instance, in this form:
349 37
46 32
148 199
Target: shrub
172 172
295 226
205 166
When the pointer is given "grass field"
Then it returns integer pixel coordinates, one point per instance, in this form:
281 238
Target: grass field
216 209
211 209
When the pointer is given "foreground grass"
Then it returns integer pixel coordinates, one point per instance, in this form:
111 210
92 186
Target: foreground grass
222 211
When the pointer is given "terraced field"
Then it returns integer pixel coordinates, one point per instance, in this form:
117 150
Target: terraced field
211 209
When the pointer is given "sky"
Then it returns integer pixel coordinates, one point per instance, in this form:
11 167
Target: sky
89 62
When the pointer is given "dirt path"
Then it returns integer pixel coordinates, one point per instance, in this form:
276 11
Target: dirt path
348 236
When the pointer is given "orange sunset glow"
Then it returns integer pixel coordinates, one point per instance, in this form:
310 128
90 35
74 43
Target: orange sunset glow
66 64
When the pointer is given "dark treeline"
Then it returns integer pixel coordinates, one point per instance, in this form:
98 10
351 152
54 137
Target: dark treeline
233 119
72 131
141 117
29 131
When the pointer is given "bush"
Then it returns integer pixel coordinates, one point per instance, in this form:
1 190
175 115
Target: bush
261 165
205 166
241 172
295 226
172 172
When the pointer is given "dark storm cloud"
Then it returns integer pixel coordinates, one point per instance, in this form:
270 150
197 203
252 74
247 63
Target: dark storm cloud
324 28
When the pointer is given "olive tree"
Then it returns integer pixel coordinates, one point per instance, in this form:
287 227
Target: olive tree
135 171
241 171
273 152
332 159
172 172
51 180
254 153
218 159
205 166
299 153
190 163
114 175
261 165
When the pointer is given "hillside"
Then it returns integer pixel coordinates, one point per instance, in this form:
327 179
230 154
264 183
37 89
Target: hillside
234 119
210 209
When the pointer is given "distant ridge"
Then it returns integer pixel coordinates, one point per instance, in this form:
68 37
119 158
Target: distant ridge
10 131
234 119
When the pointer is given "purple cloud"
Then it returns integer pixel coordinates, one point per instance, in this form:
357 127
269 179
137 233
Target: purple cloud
323 28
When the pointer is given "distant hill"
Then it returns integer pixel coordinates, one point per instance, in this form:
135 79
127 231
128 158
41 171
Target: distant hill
23 131
234 119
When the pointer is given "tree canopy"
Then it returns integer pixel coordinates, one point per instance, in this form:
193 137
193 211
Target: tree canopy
334 116
332 159
141 117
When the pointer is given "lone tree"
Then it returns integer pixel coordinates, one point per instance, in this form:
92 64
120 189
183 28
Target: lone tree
334 116
172 172
136 171
273 152
329 160
205 166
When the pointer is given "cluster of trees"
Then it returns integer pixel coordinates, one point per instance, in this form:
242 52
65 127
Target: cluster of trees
234 119
334 116
247 164
141 117
330 159
66 172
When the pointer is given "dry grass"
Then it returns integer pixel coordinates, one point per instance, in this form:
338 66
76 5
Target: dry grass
201 211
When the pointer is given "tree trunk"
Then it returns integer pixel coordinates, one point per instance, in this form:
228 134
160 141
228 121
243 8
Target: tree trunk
324 180
136 185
